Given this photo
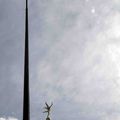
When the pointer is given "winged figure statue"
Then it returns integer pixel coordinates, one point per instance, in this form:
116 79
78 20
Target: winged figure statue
47 110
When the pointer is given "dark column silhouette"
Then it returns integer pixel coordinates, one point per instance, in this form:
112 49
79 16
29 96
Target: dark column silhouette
26 105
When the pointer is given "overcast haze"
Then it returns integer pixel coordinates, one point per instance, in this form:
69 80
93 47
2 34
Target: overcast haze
74 58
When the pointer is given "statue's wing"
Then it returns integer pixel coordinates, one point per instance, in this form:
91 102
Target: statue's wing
47 105
51 105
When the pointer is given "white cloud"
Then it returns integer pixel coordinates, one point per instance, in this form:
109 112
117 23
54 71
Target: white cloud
9 118
2 119
113 116
113 25
78 64
81 67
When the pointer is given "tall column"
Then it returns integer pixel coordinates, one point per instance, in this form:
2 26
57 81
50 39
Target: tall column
26 104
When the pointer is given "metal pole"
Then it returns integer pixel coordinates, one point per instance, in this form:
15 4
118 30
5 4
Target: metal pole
26 105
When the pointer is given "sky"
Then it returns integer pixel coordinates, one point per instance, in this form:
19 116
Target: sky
74 59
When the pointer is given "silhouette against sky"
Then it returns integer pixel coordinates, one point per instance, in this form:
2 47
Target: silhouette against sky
74 58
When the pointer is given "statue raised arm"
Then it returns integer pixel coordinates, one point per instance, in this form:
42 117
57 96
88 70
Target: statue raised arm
47 110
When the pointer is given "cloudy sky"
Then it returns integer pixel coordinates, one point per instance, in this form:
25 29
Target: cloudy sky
74 58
